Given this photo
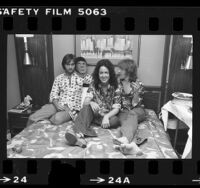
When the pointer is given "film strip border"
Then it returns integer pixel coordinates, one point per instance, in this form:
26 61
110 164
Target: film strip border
118 20
80 171
123 19
105 24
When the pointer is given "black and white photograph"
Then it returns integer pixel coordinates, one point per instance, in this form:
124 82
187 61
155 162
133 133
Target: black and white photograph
99 96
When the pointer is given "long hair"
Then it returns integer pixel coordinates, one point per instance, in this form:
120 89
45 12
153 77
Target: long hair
130 68
106 63
67 59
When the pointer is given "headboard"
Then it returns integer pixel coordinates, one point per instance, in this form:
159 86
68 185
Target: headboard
151 100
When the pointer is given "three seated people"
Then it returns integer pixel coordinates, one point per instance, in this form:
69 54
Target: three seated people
109 102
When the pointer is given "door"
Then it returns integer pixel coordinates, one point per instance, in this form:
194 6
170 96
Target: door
36 79
180 79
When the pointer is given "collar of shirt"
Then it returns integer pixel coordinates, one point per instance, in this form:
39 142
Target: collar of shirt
103 95
81 75
123 91
100 86
70 75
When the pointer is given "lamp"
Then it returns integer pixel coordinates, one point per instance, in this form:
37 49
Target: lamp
27 60
189 61
188 64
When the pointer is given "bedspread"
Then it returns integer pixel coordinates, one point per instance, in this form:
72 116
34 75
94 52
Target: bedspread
43 140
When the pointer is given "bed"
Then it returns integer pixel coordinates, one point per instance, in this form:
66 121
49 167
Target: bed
44 140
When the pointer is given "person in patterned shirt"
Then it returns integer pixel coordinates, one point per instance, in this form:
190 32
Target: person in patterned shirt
132 111
64 97
101 104
81 69
86 79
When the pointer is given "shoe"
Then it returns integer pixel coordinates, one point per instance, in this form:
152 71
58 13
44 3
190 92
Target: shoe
139 141
72 140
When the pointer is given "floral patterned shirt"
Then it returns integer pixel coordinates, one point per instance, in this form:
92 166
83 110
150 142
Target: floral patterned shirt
68 90
129 101
106 101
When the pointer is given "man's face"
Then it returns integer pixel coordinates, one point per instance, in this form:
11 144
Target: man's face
81 67
69 68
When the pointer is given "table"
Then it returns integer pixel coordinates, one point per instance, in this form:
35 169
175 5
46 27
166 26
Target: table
17 121
181 109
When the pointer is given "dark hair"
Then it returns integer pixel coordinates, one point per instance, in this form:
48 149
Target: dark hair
106 63
67 59
130 67
77 59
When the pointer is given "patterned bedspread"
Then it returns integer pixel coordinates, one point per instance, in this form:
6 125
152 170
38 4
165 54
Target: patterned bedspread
43 140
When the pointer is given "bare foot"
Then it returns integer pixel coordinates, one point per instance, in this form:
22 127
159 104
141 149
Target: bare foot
121 140
129 149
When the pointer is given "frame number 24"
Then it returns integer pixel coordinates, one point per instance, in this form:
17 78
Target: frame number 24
16 179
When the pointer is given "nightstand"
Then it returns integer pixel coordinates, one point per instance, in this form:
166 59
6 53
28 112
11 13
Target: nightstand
182 111
17 121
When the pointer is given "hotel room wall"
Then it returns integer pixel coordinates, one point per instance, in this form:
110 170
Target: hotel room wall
13 92
62 45
149 72
151 60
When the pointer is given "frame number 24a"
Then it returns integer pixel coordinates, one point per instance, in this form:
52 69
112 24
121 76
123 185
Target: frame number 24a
119 180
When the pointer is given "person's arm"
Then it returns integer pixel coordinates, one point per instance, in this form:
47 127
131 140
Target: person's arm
139 90
57 105
105 122
55 91
88 79
89 99
54 95
112 113
115 109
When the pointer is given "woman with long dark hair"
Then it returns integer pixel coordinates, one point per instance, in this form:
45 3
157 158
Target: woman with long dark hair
101 104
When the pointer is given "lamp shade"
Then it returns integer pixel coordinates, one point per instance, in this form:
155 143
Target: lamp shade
27 60
188 64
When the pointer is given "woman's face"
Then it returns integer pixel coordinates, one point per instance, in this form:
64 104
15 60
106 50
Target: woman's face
117 71
104 75
81 67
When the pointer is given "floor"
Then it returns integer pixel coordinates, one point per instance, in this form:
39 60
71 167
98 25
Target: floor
181 140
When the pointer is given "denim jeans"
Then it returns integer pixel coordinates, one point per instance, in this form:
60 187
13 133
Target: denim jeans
48 111
87 118
129 120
